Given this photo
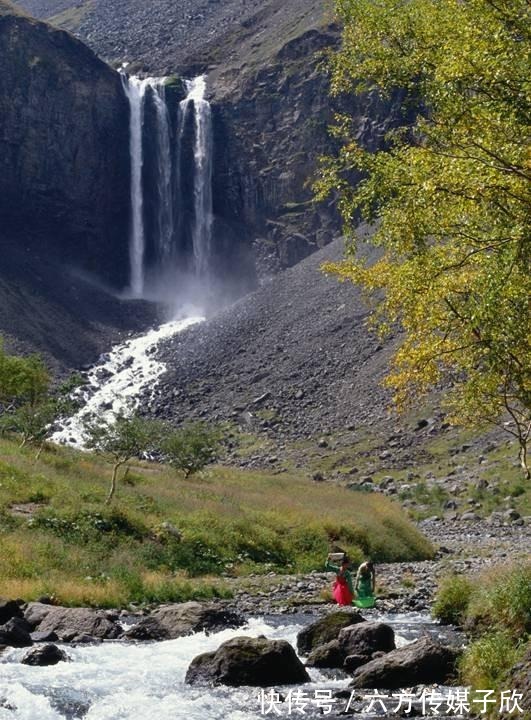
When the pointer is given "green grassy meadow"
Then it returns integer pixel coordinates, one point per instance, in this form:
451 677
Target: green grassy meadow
170 538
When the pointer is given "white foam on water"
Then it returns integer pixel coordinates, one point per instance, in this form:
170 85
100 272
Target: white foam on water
115 386
126 681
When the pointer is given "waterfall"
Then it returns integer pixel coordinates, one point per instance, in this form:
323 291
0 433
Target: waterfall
165 190
158 233
203 147
135 90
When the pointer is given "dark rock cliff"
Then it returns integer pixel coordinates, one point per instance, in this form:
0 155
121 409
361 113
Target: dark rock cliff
64 159
271 104
273 125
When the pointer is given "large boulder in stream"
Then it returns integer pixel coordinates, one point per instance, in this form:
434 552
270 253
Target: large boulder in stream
366 638
174 621
326 629
355 645
422 662
44 655
249 661
74 624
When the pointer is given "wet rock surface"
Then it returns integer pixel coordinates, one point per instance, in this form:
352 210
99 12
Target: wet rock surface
249 661
15 633
365 639
9 609
44 656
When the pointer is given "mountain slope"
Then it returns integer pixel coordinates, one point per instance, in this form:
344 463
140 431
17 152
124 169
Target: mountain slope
164 35
296 352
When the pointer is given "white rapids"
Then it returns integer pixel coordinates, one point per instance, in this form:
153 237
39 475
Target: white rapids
114 386
119 681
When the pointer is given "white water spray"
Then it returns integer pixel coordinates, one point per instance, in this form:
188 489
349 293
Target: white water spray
203 147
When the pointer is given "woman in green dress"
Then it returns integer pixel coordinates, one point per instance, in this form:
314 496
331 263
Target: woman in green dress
365 580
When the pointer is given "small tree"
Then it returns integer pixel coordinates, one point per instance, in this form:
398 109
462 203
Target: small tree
191 447
22 379
31 422
123 440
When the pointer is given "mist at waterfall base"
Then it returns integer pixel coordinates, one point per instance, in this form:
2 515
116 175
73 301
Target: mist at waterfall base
172 250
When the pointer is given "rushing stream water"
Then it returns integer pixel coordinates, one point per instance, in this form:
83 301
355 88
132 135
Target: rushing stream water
127 681
115 385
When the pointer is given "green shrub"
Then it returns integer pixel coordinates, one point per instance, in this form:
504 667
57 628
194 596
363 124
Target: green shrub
487 660
451 601
502 598
89 526
191 448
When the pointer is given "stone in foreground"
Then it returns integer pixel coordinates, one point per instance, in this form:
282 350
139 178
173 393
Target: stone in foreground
422 662
44 656
325 630
9 609
248 661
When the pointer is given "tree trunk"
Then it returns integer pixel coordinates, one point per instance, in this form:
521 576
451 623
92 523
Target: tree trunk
523 458
113 481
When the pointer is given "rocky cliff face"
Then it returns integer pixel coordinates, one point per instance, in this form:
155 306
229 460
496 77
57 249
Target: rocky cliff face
271 105
273 124
64 159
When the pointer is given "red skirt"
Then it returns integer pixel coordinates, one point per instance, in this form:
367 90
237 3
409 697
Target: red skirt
341 592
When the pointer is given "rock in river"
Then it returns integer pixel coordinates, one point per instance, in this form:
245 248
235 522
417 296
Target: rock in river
249 661
366 638
44 655
15 633
422 662
325 629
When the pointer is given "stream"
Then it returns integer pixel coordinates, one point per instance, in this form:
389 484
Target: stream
127 681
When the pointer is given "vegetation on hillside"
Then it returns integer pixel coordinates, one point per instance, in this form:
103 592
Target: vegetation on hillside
168 536
449 196
495 608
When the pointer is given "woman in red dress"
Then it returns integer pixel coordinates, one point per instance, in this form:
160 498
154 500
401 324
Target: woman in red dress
343 589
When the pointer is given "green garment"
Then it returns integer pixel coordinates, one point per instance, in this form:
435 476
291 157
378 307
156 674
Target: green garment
346 574
364 587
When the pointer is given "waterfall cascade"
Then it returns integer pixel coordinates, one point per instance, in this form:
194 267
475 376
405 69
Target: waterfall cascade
158 237
202 230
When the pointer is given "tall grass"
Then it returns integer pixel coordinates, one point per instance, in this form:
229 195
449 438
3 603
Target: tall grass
57 537
495 607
